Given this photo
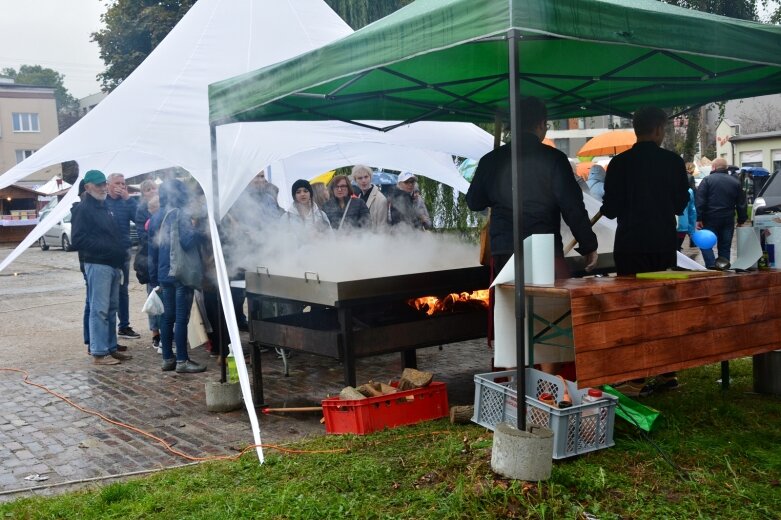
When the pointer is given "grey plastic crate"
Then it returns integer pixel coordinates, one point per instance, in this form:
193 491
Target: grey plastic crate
576 430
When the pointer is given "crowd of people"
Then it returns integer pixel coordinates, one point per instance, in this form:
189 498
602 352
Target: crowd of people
647 189
175 257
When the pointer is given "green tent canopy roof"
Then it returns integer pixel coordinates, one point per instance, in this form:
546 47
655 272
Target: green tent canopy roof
447 60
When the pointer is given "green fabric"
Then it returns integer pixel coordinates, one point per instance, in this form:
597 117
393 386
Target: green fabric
447 60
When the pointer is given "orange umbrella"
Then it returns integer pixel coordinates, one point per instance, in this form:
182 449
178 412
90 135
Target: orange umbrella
609 143
582 169
549 142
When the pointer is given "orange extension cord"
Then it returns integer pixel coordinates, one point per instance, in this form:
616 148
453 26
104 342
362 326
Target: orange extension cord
167 446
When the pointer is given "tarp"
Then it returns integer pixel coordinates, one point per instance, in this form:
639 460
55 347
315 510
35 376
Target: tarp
158 118
448 60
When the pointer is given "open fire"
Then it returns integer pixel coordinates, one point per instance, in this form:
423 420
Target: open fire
453 302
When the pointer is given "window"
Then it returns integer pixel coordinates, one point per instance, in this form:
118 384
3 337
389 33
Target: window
21 155
753 158
776 160
25 122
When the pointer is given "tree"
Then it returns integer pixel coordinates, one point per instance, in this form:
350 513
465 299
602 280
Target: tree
67 105
133 28
358 13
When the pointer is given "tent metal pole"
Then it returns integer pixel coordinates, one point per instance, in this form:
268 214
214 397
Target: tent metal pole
515 145
216 206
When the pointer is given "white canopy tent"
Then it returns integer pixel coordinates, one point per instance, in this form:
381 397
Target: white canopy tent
158 118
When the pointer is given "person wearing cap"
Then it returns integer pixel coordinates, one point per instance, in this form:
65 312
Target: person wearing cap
343 209
97 238
303 211
371 195
403 206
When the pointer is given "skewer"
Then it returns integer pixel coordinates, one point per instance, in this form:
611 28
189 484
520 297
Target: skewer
292 409
573 242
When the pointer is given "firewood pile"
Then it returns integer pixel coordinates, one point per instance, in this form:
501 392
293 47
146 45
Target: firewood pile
410 380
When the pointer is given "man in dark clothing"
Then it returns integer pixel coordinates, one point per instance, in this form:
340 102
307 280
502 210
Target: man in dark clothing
549 192
719 197
645 190
406 206
123 209
96 237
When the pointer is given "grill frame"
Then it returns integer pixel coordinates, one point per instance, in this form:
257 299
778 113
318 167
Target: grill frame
348 337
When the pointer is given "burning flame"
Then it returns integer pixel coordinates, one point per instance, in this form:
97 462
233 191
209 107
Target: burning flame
453 302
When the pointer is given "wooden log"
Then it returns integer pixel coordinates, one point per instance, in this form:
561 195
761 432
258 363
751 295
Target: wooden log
461 414
349 393
387 389
369 390
412 378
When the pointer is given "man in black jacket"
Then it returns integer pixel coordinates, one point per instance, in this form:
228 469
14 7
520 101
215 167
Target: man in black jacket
645 188
97 239
549 192
719 197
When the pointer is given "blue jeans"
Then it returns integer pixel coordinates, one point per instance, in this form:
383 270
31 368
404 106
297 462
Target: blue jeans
154 320
103 296
177 301
723 228
85 319
124 299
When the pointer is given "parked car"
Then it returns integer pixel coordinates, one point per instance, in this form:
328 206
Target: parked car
769 198
59 235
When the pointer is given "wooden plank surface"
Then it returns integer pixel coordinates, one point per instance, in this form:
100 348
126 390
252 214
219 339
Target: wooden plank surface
625 327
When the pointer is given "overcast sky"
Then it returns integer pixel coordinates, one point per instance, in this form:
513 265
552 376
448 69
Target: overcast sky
56 34
53 34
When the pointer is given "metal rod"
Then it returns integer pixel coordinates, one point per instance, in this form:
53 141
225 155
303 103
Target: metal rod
517 185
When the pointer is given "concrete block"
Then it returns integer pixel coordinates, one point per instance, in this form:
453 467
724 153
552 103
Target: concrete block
222 397
522 455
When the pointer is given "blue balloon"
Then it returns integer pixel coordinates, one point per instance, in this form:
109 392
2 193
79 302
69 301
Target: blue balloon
704 238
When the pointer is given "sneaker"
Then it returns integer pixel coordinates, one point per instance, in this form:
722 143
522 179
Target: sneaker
156 341
160 350
168 365
634 389
121 348
104 360
665 382
120 356
128 333
189 367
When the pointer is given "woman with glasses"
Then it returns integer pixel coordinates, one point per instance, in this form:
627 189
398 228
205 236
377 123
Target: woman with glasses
344 210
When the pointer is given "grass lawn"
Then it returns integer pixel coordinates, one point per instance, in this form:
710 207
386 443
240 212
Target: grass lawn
726 448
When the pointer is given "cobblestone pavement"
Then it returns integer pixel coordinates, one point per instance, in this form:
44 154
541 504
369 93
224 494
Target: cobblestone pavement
40 332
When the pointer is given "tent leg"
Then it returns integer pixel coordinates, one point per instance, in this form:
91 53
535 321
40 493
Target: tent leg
520 310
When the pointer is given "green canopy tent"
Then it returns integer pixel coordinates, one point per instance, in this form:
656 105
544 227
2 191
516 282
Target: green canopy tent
467 60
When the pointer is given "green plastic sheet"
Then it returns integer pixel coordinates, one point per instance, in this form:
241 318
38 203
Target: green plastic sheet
637 414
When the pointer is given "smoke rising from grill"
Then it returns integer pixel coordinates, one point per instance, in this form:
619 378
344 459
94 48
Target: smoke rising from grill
289 250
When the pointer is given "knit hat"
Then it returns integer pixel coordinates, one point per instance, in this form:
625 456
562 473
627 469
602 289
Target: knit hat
301 183
94 177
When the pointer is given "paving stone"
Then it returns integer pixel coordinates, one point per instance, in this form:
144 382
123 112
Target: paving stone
45 433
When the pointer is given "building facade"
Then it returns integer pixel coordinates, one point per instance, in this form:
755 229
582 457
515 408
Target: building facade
761 149
28 120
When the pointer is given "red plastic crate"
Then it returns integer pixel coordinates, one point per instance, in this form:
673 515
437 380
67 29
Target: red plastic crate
362 416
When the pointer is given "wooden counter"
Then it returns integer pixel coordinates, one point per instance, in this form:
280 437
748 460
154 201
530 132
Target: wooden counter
624 328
